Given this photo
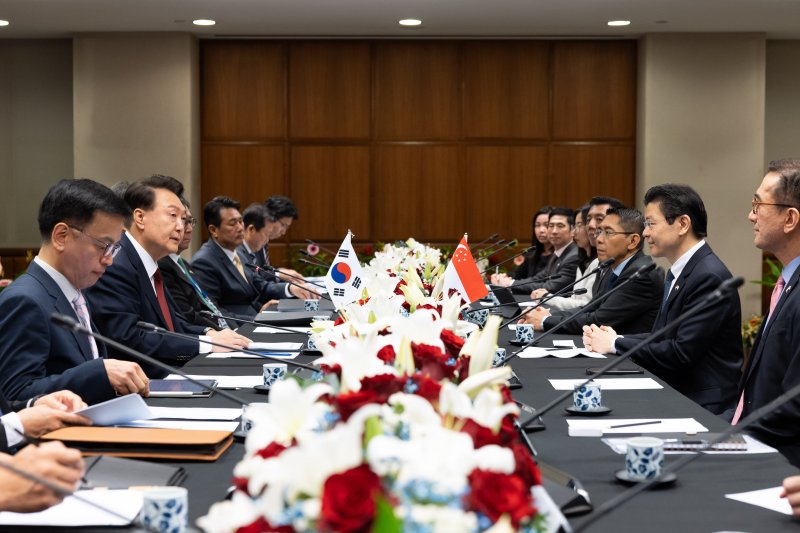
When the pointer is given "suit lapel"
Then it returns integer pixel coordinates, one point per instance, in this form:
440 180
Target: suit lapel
145 286
685 273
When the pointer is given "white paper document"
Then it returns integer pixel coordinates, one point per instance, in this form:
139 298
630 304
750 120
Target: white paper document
536 352
529 304
766 498
269 329
569 343
754 446
275 346
661 425
117 410
213 425
609 383
228 382
74 513
242 355
196 413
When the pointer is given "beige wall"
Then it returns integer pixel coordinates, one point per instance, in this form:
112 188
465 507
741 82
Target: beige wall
783 100
701 122
136 108
35 131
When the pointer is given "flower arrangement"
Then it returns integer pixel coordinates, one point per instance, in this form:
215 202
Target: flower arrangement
411 429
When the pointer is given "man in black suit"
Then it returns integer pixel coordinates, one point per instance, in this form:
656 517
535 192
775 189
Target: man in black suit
632 308
702 357
80 222
132 289
774 363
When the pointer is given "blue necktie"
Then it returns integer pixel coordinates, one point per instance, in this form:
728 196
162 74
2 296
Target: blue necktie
667 286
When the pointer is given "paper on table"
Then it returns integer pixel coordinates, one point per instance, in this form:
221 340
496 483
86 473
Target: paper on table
117 410
766 498
667 425
754 446
214 425
228 382
609 383
268 329
528 304
196 413
242 355
564 343
535 352
74 513
275 346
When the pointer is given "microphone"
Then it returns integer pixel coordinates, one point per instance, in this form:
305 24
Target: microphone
70 323
504 261
495 243
152 328
209 314
309 241
546 299
314 263
265 270
509 244
487 239
712 298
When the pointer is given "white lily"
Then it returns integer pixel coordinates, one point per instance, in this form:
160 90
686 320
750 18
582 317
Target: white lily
414 296
503 525
451 306
489 409
229 515
482 353
488 378
357 358
404 359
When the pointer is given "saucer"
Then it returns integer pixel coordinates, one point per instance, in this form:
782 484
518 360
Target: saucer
306 351
622 475
603 410
261 389
518 343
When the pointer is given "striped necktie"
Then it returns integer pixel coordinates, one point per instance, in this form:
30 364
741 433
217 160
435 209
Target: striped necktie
201 293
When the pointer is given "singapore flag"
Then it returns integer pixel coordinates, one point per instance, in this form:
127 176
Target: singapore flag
462 274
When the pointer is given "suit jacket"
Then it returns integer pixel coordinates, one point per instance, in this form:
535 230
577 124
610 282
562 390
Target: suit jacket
123 296
531 266
182 291
38 356
259 259
702 357
631 309
774 368
223 283
562 273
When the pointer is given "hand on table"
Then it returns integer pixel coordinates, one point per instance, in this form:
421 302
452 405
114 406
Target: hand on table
127 377
230 337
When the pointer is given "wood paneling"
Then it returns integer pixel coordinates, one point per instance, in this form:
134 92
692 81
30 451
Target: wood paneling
506 89
578 172
245 173
242 90
331 183
594 90
329 90
418 192
417 91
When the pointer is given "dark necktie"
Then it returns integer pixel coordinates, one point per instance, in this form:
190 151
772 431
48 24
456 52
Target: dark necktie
667 286
162 299
552 264
612 279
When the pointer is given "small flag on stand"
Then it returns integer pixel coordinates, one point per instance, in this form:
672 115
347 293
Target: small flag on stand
462 274
344 278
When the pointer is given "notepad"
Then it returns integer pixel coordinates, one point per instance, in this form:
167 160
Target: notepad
268 329
536 352
609 383
242 355
664 425
74 513
766 498
256 346
227 382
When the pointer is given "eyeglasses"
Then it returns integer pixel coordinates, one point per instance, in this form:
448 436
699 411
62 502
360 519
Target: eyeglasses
189 221
110 249
756 204
608 233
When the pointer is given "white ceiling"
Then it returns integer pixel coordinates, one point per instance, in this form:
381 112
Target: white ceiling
372 18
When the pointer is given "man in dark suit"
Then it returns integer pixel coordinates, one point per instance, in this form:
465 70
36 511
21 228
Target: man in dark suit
632 308
702 357
80 222
132 288
223 273
774 364
560 271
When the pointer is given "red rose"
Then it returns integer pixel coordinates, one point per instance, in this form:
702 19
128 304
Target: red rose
481 435
241 484
495 494
383 385
375 389
427 388
432 361
526 467
462 367
452 342
348 500
263 526
387 354
273 449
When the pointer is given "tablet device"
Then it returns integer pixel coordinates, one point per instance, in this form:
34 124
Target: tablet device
180 388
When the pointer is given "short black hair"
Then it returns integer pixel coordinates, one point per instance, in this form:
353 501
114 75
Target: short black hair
615 203
75 202
631 220
677 200
141 194
788 189
565 212
211 211
255 215
280 207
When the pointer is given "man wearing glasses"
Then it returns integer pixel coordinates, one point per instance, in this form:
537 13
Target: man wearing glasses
81 224
632 308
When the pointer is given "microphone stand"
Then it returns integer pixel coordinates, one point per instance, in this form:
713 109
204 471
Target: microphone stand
487 239
309 241
487 252
504 261
251 322
490 245
314 263
544 300
261 271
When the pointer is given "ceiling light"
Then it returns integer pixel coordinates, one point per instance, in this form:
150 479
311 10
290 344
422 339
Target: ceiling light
3 23
619 22
204 22
409 22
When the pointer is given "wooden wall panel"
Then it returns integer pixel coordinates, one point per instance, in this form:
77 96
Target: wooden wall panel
331 184
418 193
594 90
506 89
578 172
242 90
504 187
417 90
245 173
329 90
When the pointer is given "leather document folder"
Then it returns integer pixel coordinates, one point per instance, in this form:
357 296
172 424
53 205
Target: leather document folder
151 443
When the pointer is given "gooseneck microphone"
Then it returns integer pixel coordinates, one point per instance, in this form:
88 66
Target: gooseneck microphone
314 263
486 247
70 323
152 328
509 244
504 261
712 298
576 292
484 241
309 241
267 270
209 314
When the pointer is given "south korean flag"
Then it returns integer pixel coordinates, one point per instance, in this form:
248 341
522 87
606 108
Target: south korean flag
344 278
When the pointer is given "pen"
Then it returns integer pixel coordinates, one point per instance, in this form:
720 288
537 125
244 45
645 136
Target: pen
634 424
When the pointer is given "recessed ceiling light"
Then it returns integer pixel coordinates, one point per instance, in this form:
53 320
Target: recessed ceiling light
204 22
619 22
3 23
409 22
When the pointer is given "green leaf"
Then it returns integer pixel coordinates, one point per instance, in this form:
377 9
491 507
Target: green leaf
385 519
372 428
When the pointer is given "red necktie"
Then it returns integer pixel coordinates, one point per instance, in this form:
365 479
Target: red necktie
162 299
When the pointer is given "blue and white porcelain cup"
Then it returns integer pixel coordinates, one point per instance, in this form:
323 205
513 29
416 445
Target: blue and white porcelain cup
248 414
524 333
273 372
311 305
311 344
165 509
477 316
499 356
588 397
644 458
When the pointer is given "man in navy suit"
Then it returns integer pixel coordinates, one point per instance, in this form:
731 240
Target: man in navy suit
222 271
132 289
774 364
80 222
702 356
